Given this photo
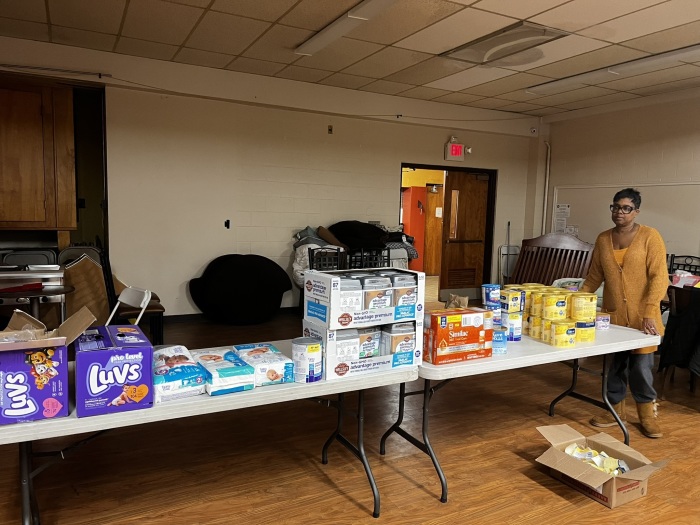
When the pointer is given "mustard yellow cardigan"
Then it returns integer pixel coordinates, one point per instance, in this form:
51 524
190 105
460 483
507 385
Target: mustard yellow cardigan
635 290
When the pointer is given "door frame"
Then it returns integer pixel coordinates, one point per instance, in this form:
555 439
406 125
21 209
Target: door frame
490 205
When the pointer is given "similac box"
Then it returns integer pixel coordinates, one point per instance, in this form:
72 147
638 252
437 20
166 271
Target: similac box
113 370
454 335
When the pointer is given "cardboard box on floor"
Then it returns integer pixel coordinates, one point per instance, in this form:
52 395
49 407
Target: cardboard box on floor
34 371
611 491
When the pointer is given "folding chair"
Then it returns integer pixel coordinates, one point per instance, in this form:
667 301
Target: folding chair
134 297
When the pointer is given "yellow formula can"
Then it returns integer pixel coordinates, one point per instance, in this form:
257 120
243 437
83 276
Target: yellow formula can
536 302
535 327
546 330
563 333
583 306
585 331
554 306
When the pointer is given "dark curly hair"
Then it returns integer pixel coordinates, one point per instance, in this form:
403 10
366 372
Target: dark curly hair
631 194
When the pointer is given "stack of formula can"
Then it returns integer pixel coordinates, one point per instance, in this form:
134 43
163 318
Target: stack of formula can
512 311
491 299
583 313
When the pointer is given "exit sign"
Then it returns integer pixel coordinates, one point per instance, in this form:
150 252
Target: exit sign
454 151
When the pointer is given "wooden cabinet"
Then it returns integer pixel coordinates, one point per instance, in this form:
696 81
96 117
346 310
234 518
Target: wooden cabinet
37 158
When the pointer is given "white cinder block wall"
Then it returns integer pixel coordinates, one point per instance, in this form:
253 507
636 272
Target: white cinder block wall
178 167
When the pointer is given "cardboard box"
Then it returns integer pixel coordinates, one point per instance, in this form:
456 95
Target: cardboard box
452 336
34 373
113 370
338 366
323 305
611 491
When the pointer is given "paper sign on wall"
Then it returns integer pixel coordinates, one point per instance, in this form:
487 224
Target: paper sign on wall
562 211
559 225
438 213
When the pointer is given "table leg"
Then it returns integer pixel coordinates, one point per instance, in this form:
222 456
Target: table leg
359 449
605 403
424 445
30 509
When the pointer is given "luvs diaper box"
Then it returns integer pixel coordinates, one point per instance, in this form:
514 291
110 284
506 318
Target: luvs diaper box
113 370
34 367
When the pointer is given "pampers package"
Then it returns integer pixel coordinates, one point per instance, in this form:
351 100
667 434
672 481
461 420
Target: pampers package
271 365
226 371
113 370
176 374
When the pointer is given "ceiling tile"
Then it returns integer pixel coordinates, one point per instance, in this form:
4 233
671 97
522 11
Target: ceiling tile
141 48
29 10
269 10
83 14
470 77
223 33
656 18
520 107
145 20
197 57
424 93
387 61
346 81
544 111
521 10
429 70
402 19
455 30
278 44
507 84
303 74
688 83
388 88
578 14
256 67
23 29
519 95
80 38
600 58
316 14
657 77
339 54
457 98
560 49
674 38
490 103
572 96
598 101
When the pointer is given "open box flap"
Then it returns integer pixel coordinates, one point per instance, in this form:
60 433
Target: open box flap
616 448
560 434
20 319
75 325
572 467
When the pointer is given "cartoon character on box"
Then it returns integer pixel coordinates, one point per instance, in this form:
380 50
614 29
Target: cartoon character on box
42 366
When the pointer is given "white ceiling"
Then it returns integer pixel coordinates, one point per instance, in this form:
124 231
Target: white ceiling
397 51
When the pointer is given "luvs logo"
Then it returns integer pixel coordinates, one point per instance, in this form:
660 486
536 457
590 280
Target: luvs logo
17 389
98 380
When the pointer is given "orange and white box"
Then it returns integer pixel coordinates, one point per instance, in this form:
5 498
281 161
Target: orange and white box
451 336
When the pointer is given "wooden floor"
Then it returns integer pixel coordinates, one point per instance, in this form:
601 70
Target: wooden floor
262 465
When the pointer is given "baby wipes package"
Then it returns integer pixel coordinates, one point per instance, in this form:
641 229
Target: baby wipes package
176 374
271 365
226 371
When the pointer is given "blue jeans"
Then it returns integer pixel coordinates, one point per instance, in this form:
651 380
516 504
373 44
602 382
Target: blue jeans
635 369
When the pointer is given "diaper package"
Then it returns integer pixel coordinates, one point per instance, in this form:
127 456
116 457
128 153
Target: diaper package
226 371
176 374
271 365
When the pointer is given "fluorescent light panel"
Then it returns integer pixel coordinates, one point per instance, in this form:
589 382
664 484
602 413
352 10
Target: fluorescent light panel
340 27
626 69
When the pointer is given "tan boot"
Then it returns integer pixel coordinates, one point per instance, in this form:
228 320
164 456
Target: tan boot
607 419
647 417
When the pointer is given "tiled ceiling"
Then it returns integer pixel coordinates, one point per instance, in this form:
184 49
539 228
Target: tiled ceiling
397 51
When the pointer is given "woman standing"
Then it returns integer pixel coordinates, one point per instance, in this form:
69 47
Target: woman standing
631 259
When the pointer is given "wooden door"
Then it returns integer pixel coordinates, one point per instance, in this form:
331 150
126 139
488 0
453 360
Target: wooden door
433 231
466 236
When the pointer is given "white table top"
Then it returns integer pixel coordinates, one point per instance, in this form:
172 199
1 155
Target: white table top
202 404
531 352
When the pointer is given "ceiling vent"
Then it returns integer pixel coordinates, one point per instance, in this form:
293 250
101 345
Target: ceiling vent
503 45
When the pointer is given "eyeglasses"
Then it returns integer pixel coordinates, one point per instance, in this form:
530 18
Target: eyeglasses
624 209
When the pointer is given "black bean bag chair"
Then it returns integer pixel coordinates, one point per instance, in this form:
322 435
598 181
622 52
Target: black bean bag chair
240 289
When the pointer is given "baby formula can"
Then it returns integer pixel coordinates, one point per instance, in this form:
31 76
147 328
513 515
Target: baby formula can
512 300
563 333
554 306
347 345
500 341
546 331
535 327
307 355
513 323
398 337
370 339
496 311
583 306
378 292
602 321
405 289
491 295
585 331
536 302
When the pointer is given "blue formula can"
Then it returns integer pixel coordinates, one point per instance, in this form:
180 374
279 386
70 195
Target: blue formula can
307 354
491 295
